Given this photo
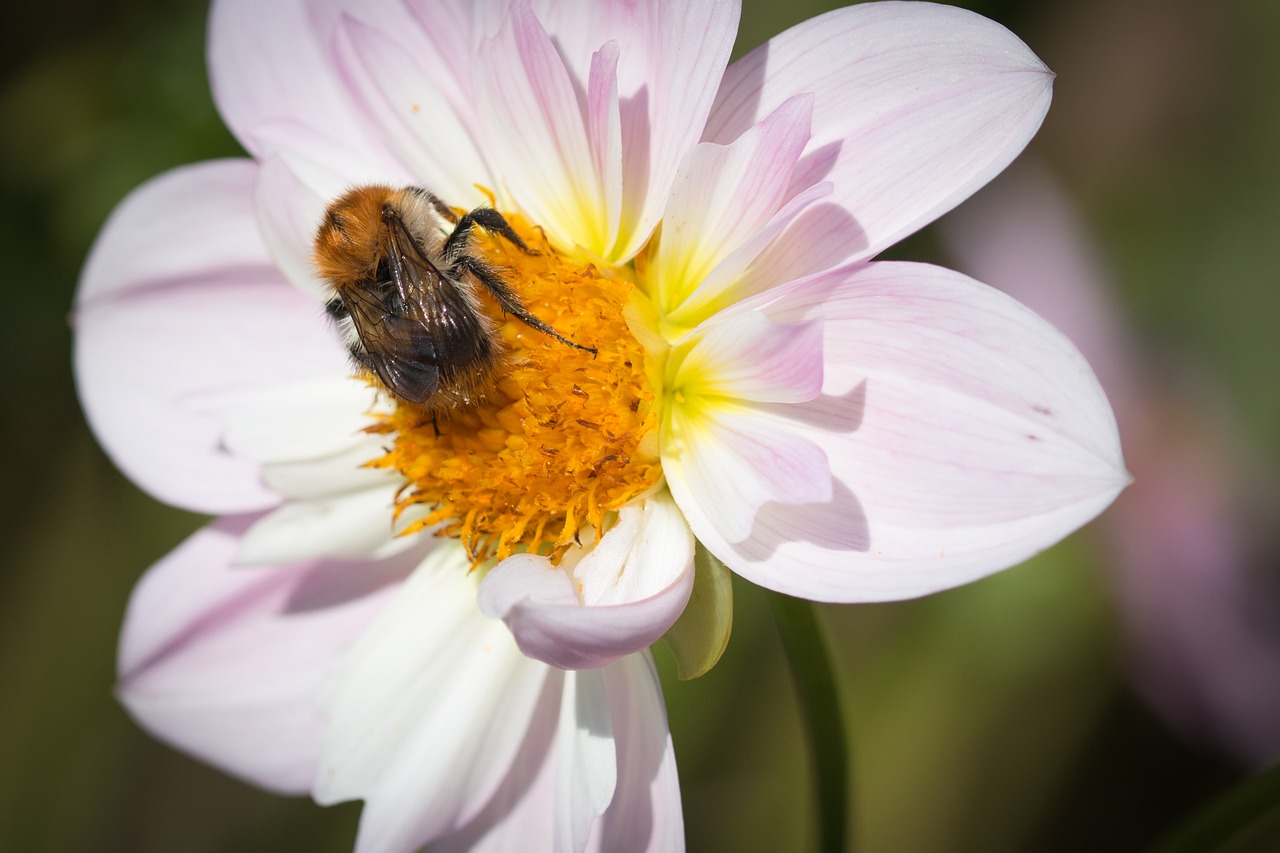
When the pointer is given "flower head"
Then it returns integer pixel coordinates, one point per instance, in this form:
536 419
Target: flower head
825 425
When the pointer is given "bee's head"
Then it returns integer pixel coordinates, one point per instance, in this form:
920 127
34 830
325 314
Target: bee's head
350 240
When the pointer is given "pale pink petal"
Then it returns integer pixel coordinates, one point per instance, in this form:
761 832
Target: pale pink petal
964 434
645 814
427 711
288 214
586 760
404 101
224 663
749 356
179 299
916 106
536 138
722 195
270 62
612 599
732 460
672 56
324 163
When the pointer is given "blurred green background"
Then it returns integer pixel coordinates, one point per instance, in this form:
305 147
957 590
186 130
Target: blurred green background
996 717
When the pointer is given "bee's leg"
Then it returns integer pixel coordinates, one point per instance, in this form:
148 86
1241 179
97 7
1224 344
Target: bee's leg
507 299
488 219
434 200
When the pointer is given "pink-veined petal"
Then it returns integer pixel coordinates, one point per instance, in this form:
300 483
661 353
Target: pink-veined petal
427 711
729 460
749 356
672 57
964 433
224 663
179 299
916 106
604 601
722 195
536 137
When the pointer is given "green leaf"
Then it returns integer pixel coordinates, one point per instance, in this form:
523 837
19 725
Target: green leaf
701 634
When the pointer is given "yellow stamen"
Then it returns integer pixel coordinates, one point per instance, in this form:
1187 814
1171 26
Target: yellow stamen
560 440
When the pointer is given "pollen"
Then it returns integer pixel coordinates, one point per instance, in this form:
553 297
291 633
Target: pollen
559 440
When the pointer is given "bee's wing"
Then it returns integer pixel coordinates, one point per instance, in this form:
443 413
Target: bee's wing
459 339
397 347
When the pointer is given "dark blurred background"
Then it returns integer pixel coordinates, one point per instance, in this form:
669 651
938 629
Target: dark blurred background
1052 707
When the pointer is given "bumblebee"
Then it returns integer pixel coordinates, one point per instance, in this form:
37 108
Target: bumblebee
406 286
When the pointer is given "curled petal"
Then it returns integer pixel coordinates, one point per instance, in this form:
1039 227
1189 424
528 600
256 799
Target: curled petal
916 105
179 299
964 434
224 663
616 598
427 711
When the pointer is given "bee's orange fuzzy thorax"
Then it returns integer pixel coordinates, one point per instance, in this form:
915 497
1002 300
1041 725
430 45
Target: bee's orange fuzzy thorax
562 438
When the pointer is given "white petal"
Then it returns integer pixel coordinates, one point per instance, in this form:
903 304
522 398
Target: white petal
586 770
347 526
427 712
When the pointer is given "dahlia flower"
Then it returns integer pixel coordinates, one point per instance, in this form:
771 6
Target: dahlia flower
448 617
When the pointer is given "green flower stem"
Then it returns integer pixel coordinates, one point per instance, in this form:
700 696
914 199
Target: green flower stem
1214 825
811 666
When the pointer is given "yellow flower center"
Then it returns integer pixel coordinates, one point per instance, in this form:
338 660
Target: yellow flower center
561 438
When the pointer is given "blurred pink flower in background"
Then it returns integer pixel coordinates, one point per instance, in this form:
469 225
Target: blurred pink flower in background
1199 606
828 426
